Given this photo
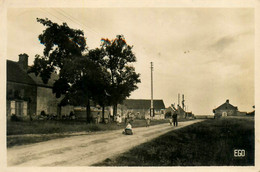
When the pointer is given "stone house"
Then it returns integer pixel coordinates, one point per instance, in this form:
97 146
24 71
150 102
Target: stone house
27 95
226 109
140 108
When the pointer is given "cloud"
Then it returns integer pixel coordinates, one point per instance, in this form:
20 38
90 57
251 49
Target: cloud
223 43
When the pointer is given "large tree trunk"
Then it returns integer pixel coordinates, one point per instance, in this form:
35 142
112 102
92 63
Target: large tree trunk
114 111
88 112
59 111
103 114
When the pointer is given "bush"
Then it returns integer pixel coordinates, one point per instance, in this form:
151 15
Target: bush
15 118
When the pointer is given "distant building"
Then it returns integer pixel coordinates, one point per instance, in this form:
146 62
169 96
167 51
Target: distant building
226 109
140 108
27 95
181 113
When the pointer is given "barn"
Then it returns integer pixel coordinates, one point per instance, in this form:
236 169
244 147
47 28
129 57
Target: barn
140 108
226 109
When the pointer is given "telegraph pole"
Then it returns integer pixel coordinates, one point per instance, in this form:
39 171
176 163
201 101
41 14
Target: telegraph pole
151 111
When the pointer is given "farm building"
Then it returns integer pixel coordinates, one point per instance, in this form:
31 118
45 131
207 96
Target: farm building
226 109
140 108
180 111
96 113
27 95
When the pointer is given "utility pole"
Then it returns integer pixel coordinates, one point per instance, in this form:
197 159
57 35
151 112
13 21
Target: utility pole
178 99
151 110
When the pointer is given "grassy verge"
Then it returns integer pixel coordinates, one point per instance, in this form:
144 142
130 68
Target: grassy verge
209 143
26 132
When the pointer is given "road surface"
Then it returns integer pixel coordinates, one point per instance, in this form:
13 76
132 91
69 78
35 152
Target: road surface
85 150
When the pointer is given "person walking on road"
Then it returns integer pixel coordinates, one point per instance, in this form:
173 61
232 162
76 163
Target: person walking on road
170 120
174 117
148 121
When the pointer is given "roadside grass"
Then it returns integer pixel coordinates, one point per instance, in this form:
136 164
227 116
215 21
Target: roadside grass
208 143
27 132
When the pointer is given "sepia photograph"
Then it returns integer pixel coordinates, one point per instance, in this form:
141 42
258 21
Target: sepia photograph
129 85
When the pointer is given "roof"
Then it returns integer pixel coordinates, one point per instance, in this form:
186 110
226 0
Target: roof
39 82
226 105
180 109
143 104
16 74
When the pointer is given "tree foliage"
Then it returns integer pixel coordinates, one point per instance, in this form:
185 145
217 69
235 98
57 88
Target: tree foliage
118 59
104 75
64 55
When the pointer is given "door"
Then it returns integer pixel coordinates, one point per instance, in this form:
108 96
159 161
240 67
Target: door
224 113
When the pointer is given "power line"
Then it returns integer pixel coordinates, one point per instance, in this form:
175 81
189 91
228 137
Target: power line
67 18
51 14
71 18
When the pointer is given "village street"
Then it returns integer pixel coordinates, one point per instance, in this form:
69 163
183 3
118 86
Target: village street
85 150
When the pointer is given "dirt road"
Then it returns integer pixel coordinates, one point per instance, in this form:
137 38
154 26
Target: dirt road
84 150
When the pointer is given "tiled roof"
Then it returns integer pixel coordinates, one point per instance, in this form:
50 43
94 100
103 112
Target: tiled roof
143 104
16 74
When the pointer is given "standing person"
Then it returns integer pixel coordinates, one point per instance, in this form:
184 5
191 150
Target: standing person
126 118
148 121
174 117
119 119
170 119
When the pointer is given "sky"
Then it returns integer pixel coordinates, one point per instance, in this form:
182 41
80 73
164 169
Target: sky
207 54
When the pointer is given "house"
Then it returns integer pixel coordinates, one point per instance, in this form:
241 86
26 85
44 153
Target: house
226 109
140 108
181 113
96 113
27 95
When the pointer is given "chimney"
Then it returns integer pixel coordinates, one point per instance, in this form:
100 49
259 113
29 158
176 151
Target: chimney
227 101
178 99
23 61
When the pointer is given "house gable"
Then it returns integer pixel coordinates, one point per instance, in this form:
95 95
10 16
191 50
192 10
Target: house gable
16 74
225 106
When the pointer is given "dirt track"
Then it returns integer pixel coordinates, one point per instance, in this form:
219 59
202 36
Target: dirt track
84 150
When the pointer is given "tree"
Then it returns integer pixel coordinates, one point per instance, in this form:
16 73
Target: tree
102 97
64 54
118 59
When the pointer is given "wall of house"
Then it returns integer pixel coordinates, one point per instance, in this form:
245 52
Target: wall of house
18 92
65 110
46 101
241 113
225 112
140 113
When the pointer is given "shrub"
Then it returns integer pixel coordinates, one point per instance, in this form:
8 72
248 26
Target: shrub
15 118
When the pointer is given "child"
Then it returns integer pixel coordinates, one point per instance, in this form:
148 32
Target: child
128 129
148 121
170 120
